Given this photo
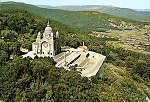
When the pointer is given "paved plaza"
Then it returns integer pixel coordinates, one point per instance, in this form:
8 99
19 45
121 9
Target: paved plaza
87 62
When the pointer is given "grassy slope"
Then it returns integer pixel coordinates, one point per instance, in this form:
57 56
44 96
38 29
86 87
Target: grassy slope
120 83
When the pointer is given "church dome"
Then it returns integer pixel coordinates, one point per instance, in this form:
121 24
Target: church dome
48 28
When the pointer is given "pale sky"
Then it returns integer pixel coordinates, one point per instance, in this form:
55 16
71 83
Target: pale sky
133 4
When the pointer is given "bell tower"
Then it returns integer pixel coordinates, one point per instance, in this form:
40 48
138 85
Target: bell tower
57 43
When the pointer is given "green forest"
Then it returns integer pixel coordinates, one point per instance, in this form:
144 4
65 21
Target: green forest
112 10
89 21
123 77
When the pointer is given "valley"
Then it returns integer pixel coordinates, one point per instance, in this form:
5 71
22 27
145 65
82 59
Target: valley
132 40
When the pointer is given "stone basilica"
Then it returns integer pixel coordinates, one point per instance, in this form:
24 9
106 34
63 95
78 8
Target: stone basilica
44 44
85 61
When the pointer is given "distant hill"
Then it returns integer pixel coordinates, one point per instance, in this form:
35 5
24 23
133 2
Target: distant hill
142 10
85 20
138 15
46 6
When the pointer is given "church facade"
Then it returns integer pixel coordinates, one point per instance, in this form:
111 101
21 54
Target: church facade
44 44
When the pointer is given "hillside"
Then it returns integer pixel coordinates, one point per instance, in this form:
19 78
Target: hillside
138 15
19 21
124 76
89 21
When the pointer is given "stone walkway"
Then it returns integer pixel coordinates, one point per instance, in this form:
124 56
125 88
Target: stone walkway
91 65
93 68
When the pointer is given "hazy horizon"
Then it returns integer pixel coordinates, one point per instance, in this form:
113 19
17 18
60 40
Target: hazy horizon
116 3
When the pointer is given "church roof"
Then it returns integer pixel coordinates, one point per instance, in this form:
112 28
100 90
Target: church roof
35 43
83 47
48 28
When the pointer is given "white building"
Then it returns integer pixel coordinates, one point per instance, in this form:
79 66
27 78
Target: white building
85 61
44 44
